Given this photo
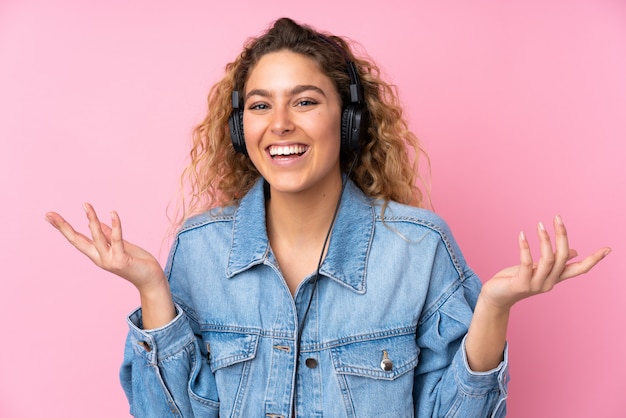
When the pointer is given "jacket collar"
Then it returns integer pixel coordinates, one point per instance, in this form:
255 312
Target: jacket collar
349 245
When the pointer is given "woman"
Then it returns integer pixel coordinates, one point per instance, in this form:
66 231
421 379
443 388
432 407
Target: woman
305 280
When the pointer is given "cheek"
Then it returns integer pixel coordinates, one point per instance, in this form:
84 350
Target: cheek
322 124
253 132
332 131
251 129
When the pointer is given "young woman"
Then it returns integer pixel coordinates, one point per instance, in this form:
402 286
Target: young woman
305 280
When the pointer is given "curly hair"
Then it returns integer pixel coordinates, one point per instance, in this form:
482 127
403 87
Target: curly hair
386 167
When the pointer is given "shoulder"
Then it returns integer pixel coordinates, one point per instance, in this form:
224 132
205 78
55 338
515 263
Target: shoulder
430 238
405 216
208 218
397 222
200 236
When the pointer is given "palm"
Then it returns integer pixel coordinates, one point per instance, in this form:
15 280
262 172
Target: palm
108 250
515 283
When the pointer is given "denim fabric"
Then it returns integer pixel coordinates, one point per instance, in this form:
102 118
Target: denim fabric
394 289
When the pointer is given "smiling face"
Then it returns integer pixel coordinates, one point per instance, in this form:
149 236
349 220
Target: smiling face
292 124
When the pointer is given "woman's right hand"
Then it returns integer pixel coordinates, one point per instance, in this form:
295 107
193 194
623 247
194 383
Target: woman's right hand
108 250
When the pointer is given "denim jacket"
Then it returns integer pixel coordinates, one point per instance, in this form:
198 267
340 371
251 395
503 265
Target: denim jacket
383 336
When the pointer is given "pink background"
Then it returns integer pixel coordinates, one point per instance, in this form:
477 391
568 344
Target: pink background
520 104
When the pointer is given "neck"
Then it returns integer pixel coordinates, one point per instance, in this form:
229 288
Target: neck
301 218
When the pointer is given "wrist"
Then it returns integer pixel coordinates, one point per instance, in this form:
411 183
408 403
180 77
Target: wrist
154 287
496 310
157 305
486 337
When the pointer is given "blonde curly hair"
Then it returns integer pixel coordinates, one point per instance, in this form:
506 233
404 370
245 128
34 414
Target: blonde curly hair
386 167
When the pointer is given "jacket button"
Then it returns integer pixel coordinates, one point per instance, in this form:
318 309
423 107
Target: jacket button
311 363
386 364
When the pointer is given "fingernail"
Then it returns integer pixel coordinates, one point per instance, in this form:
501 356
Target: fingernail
558 220
85 208
522 236
541 226
606 252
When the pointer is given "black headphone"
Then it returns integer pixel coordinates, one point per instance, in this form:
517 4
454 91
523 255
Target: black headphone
354 117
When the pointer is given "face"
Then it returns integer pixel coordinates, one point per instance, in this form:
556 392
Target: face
292 124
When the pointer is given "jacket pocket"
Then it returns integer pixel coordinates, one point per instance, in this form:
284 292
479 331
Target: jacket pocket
376 375
230 356
202 389
228 348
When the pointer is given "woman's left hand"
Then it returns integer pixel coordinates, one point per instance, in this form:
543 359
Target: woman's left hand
527 279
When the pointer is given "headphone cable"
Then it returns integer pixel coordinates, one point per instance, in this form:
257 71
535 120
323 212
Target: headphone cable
319 263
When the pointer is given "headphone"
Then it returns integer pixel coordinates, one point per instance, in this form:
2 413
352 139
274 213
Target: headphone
354 117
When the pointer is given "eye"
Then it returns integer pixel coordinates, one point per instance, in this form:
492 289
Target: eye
258 106
306 102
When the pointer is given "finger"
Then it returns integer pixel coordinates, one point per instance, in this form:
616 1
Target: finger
78 240
117 243
546 260
571 254
57 221
562 252
99 239
526 259
583 266
106 230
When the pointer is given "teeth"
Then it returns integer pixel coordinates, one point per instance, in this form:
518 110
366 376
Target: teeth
287 150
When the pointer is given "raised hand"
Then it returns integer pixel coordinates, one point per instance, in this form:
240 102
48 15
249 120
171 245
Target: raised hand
108 250
528 278
487 333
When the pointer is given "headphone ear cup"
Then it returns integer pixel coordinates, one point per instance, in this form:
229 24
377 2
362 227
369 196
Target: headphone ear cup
354 123
235 124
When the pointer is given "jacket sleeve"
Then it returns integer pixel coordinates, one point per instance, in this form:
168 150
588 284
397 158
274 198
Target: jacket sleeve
444 383
164 372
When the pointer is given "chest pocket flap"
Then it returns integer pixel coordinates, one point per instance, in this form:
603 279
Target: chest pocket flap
227 348
382 358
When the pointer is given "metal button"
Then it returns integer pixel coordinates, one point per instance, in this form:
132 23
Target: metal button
311 363
386 364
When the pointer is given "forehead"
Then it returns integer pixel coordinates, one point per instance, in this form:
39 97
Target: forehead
285 69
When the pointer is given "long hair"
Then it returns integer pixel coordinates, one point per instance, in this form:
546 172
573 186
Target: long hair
386 168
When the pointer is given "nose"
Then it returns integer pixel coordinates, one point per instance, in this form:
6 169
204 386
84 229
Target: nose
282 123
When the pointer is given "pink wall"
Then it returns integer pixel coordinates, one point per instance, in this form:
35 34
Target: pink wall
520 104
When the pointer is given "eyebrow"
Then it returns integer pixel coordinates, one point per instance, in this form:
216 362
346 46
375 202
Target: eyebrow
294 91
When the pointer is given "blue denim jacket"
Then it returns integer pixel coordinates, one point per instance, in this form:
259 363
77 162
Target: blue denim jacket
395 289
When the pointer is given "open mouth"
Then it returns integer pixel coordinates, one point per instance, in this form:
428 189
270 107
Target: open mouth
287 151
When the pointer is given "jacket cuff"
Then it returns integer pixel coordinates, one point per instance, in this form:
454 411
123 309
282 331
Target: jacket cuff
478 383
159 343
